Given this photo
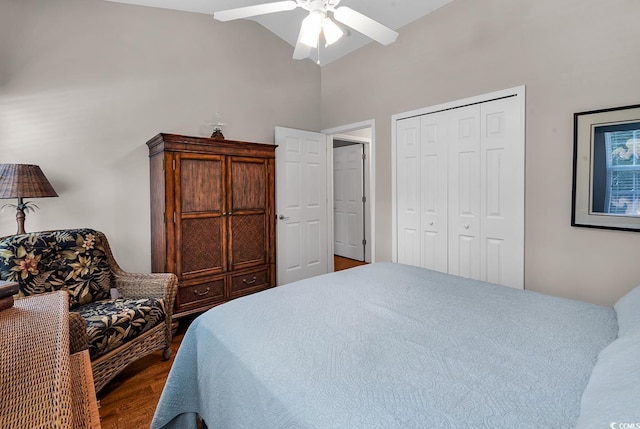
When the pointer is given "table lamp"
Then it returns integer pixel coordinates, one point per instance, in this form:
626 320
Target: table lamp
23 181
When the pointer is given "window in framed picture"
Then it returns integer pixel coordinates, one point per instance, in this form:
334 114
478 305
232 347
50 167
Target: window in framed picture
616 175
606 182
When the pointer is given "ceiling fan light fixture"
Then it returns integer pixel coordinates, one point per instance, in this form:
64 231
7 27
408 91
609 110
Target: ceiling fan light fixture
311 27
317 23
332 33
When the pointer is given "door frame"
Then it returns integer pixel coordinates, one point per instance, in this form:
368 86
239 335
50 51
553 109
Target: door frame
518 91
338 133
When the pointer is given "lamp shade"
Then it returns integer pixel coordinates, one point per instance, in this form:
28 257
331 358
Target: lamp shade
332 33
311 27
24 181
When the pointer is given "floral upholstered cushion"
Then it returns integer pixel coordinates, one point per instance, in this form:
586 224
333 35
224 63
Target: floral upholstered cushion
73 260
111 323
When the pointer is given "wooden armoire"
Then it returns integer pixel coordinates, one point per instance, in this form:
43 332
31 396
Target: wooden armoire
212 217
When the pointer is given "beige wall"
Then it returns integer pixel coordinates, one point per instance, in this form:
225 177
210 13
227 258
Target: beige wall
85 83
572 55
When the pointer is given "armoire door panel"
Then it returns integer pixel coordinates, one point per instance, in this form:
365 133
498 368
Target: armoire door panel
200 184
248 184
202 246
248 240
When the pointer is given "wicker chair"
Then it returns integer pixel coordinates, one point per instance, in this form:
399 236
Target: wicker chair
80 261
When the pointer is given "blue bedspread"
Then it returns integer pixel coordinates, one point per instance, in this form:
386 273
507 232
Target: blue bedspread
386 346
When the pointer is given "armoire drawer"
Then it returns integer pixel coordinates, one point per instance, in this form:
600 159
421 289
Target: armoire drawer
250 281
207 291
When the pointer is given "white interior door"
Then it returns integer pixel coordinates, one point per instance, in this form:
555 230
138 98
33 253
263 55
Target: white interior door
348 201
301 204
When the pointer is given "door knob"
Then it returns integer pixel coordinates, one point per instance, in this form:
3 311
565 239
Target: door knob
283 217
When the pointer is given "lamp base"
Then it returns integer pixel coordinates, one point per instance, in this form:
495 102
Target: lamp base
20 216
217 134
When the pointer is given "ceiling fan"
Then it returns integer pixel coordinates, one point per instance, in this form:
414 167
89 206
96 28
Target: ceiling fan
317 22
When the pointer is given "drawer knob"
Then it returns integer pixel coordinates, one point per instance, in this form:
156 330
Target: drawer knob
249 282
195 292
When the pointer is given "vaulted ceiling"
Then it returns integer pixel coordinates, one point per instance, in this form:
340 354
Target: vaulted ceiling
286 25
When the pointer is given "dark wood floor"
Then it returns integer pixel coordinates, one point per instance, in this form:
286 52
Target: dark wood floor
340 263
130 399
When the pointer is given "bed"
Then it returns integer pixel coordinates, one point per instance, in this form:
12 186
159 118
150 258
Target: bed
394 346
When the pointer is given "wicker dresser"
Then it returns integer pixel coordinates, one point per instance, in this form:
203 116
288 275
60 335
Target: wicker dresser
212 218
41 384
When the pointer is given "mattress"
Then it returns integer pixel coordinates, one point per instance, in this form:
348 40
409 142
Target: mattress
387 346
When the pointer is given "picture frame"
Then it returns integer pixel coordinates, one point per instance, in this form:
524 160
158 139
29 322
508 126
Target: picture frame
606 169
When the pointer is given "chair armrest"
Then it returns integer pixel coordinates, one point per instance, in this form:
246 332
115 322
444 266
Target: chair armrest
78 338
153 285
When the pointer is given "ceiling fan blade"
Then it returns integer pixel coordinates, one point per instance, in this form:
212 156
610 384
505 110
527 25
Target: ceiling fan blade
250 11
365 25
302 50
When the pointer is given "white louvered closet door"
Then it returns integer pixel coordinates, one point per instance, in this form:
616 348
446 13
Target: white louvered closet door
466 202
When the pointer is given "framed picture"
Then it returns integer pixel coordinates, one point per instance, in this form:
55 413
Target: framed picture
606 169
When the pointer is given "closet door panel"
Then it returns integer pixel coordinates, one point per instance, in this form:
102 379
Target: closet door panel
464 191
433 191
502 193
408 191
